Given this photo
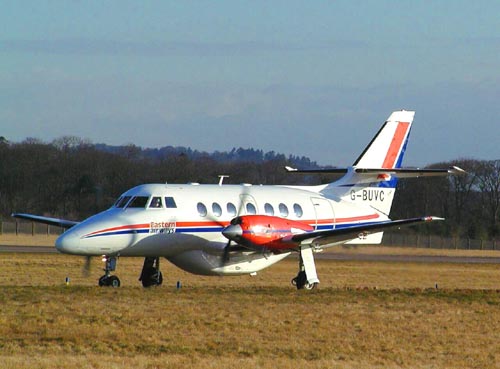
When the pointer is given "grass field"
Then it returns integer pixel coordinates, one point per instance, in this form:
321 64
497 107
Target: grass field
364 315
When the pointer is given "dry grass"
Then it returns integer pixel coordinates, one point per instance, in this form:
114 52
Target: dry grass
249 322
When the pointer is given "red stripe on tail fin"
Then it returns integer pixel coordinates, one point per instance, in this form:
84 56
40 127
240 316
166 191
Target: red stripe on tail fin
396 145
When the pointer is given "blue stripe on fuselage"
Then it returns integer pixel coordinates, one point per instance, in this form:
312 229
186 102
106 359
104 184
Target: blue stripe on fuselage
321 227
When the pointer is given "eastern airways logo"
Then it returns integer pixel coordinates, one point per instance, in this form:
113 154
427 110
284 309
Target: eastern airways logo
162 227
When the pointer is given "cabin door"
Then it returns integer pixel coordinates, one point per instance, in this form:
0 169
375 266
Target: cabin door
325 217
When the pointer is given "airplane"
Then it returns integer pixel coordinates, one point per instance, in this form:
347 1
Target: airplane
221 229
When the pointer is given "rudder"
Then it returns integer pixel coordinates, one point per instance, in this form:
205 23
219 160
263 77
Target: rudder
387 148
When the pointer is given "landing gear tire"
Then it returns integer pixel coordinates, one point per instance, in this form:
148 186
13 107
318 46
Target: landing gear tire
310 286
109 281
300 281
152 279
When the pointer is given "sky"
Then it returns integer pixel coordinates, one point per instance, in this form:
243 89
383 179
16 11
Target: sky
308 78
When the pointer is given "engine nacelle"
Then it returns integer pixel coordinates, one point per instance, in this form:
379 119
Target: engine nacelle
264 231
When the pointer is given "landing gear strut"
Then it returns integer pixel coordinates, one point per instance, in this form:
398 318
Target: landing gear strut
307 277
151 274
107 279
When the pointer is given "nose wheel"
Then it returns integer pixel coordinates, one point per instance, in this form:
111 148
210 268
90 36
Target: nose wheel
108 280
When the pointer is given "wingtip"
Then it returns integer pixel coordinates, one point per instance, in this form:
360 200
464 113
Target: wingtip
457 170
433 218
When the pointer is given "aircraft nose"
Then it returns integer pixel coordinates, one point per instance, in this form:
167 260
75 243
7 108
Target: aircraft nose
68 242
233 232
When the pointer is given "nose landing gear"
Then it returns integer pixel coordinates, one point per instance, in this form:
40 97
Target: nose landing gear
108 280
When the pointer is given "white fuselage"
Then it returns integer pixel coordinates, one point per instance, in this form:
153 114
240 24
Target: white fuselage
185 225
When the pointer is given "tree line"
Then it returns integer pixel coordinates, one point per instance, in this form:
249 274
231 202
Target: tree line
73 178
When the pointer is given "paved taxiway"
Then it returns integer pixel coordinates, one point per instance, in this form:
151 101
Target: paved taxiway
331 255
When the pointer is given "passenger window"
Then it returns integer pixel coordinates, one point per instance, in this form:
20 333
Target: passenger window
283 210
231 209
216 209
298 210
138 202
170 202
268 208
251 208
202 209
155 203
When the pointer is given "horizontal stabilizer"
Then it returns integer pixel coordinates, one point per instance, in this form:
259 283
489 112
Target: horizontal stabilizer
331 170
399 172
63 223
412 172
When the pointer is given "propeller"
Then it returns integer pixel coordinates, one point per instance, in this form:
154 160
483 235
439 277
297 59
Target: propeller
87 266
225 230
230 231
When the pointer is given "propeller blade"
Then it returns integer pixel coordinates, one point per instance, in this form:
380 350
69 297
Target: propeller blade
240 210
225 258
87 266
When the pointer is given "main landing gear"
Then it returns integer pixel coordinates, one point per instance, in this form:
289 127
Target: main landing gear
307 277
300 281
151 274
107 279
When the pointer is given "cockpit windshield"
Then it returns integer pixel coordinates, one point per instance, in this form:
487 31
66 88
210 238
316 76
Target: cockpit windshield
138 202
122 201
157 202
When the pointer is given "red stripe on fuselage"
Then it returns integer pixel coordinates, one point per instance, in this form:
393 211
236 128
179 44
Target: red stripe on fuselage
224 224
396 144
354 219
130 226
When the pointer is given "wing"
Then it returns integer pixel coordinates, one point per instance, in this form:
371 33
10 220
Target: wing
46 220
338 236
278 235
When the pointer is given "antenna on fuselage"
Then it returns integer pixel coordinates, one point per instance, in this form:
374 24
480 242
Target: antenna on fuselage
221 178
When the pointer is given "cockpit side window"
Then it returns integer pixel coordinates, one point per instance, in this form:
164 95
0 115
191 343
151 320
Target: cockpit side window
122 201
155 203
170 202
117 201
138 202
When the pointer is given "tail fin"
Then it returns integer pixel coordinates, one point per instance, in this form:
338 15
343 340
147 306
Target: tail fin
367 183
